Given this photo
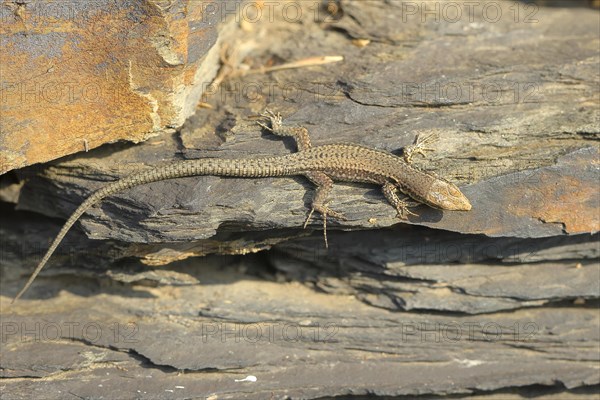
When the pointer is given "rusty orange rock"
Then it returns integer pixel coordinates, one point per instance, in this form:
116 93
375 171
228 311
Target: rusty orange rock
76 74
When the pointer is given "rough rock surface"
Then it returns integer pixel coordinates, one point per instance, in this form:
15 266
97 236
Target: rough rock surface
497 303
78 74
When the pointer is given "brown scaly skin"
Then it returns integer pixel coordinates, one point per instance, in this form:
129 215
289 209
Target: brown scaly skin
320 164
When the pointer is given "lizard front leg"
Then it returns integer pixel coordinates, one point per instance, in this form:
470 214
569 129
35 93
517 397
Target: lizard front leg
324 185
401 206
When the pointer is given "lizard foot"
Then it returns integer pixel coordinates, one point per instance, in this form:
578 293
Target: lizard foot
402 208
325 212
418 147
274 119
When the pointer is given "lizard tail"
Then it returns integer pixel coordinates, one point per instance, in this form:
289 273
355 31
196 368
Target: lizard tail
268 166
90 201
112 188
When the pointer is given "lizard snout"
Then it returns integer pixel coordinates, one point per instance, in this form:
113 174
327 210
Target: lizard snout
447 196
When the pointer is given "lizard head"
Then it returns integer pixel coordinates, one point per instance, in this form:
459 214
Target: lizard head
446 196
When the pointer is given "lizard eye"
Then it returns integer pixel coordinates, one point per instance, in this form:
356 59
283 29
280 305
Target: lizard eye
453 191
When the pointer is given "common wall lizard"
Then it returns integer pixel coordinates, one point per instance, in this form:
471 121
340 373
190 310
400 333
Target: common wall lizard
320 164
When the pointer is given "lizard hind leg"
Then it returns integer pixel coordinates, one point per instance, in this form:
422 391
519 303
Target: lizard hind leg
319 203
298 133
419 146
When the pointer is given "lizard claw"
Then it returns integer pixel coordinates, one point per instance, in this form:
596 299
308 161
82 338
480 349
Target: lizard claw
325 212
264 126
271 116
418 147
403 213
274 119
312 210
402 209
